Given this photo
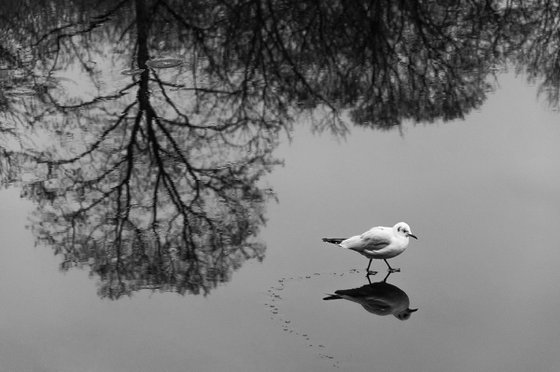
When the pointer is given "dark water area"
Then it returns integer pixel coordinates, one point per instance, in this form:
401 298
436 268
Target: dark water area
169 169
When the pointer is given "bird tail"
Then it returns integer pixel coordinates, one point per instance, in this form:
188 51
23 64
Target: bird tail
333 240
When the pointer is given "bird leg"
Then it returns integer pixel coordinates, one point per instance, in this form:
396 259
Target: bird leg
386 276
368 272
391 270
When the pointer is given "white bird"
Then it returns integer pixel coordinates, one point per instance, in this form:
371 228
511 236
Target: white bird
378 242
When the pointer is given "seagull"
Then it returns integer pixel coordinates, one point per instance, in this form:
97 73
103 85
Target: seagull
379 242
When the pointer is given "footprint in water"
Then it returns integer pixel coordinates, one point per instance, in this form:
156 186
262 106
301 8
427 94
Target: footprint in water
287 325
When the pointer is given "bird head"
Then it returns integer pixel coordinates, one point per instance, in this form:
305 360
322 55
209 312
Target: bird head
405 314
403 229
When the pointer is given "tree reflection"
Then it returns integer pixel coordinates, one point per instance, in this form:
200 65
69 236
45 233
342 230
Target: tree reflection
376 64
380 298
538 44
150 186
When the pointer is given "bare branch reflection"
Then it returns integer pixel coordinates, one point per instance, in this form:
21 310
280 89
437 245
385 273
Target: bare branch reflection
150 187
372 64
538 45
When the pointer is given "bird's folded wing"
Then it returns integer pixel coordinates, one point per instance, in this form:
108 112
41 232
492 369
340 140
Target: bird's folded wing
376 238
372 240
363 291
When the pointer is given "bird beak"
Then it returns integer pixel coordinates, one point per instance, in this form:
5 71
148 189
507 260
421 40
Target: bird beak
413 236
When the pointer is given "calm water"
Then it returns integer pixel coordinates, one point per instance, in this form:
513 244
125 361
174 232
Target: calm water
148 222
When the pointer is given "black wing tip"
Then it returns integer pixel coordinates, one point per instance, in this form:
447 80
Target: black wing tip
333 240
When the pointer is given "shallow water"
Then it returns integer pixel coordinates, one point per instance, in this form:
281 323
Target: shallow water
208 257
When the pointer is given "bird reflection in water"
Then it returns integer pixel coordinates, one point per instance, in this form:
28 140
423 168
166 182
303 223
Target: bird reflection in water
379 298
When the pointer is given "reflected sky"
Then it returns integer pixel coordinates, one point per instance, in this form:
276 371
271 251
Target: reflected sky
153 187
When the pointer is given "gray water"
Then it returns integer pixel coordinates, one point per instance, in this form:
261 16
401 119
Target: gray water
242 286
